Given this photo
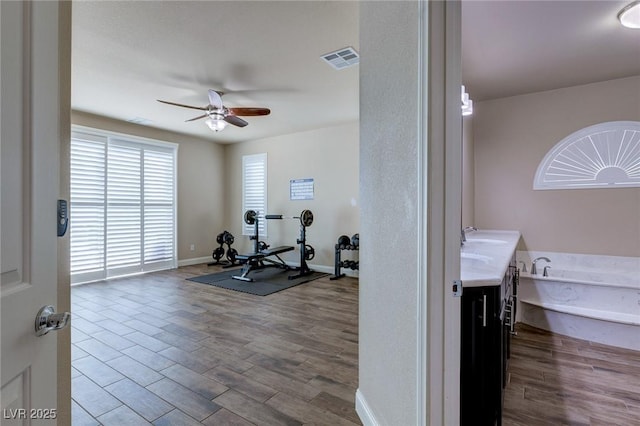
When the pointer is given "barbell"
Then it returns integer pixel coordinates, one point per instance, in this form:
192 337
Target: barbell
306 217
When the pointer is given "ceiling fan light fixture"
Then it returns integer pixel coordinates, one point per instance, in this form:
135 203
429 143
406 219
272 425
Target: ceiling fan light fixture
629 16
216 124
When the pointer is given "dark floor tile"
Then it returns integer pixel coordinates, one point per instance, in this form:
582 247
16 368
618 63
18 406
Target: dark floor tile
198 383
80 417
187 359
184 399
97 371
91 397
98 349
178 341
241 383
148 342
122 416
139 399
226 418
254 411
112 339
139 373
149 358
77 335
85 326
143 326
178 418
77 353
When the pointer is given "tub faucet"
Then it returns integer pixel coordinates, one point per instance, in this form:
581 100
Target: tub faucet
534 270
545 272
463 233
524 265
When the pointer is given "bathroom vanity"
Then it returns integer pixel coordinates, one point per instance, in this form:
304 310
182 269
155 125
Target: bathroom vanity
489 280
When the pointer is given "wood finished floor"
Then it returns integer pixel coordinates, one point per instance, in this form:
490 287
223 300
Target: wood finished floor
157 349
558 380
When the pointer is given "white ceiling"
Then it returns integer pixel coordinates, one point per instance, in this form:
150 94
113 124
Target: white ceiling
267 54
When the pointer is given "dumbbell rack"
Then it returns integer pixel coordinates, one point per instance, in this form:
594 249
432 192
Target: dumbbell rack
339 263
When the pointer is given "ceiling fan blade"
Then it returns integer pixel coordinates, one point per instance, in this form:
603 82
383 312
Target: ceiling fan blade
249 111
236 121
215 99
182 105
196 118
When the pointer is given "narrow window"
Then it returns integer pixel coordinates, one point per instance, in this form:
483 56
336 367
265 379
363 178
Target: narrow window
254 190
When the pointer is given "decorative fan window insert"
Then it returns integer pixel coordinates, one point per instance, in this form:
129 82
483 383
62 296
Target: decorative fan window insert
605 155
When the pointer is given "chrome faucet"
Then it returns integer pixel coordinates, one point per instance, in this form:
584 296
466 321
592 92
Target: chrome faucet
524 265
545 272
534 270
463 233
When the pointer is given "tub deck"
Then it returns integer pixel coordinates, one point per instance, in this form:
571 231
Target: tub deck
590 303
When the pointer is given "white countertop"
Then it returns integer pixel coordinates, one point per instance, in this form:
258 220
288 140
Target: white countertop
485 256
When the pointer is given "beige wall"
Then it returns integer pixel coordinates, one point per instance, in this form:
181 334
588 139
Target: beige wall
512 135
330 157
201 180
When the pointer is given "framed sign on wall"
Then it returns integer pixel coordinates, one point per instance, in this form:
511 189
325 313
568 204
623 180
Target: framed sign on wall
301 189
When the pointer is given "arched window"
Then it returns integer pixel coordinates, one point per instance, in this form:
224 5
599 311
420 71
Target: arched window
605 155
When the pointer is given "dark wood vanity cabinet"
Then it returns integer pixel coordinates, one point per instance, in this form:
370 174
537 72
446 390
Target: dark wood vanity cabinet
482 353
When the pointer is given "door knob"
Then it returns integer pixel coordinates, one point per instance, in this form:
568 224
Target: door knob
48 320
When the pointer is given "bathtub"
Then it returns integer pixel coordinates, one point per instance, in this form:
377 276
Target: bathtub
589 297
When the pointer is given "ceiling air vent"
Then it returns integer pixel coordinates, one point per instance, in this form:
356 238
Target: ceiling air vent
342 58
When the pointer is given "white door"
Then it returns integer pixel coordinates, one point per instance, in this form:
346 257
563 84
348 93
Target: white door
29 177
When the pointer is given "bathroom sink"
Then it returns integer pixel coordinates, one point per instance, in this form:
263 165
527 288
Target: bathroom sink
485 256
488 241
476 256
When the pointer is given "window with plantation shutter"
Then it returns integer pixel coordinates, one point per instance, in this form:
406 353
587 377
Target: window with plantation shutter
254 190
122 209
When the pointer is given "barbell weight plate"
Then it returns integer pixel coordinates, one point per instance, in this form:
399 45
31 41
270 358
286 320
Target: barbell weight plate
231 255
306 217
309 252
262 246
355 240
220 238
343 241
218 253
228 238
250 217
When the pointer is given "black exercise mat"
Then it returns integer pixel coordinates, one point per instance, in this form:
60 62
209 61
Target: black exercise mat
266 281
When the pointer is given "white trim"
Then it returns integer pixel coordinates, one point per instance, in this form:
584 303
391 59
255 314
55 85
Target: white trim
194 261
422 347
318 268
364 411
438 398
109 133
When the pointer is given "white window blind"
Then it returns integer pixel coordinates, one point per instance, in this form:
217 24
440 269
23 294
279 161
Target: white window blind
254 190
122 210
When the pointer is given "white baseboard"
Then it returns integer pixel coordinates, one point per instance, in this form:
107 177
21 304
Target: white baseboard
326 269
320 268
364 411
194 261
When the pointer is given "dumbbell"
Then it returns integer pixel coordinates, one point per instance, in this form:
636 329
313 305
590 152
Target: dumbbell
343 241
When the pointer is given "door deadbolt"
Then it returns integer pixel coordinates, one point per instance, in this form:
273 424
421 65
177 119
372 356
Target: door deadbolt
48 320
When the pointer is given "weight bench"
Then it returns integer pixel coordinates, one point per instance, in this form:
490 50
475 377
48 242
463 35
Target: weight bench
255 261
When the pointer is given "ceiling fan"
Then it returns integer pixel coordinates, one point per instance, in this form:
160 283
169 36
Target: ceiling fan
218 116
